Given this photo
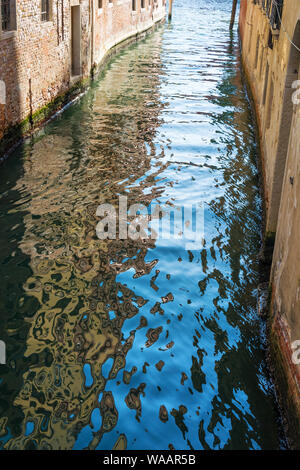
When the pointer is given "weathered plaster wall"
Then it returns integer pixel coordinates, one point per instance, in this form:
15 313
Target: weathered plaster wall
267 71
285 275
272 73
35 58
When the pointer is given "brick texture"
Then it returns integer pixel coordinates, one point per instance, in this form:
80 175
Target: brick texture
36 58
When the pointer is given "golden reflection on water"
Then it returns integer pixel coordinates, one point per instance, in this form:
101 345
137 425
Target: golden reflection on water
73 276
138 344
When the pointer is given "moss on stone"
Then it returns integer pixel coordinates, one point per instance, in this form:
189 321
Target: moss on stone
16 133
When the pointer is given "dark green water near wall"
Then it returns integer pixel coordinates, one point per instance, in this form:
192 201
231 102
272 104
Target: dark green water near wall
138 338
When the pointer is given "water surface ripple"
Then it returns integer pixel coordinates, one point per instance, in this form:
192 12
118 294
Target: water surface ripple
121 341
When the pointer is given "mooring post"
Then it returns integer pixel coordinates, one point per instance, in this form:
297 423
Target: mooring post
234 4
170 10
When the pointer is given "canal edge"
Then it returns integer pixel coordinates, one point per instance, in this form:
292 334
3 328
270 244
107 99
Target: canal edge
278 360
30 126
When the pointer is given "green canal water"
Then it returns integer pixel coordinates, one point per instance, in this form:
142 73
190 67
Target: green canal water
139 343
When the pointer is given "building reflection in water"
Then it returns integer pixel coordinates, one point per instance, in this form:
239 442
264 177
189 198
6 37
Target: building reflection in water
81 307
115 341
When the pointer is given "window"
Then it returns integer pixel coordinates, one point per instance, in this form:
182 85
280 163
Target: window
5 14
257 52
8 15
273 10
45 10
262 56
269 113
270 40
134 5
99 4
266 84
142 3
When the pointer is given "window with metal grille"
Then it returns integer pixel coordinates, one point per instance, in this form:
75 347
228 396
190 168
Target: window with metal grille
273 9
6 15
45 10
276 14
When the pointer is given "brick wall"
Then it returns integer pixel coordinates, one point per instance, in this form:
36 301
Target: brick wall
35 59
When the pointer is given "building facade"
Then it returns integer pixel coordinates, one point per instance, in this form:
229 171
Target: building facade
270 37
48 48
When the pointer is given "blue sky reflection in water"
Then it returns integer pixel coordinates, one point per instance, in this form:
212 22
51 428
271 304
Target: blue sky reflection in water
144 339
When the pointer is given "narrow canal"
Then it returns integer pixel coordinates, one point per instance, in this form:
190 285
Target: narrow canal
139 343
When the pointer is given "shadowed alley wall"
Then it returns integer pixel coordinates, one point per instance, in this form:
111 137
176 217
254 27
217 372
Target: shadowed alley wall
271 58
